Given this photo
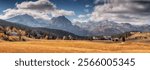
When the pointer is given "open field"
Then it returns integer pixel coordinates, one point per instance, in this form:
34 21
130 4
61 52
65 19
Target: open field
67 46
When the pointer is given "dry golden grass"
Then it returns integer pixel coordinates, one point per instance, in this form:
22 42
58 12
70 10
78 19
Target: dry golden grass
62 46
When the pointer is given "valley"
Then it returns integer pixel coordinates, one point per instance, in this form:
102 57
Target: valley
74 46
19 38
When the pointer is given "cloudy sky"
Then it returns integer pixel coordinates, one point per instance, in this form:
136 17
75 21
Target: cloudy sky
121 11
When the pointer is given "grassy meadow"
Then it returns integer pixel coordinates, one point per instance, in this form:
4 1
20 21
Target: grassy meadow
74 46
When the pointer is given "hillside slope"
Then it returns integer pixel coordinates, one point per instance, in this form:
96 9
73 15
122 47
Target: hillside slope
8 29
139 36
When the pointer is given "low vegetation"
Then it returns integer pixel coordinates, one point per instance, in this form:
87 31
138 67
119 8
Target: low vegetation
73 46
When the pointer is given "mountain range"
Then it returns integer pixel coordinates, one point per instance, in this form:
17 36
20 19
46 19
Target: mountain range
90 28
61 23
33 32
112 28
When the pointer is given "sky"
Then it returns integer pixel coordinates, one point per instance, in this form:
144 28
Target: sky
122 11
78 6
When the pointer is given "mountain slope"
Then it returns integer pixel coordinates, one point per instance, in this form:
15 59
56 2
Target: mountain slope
28 20
61 23
112 28
34 32
139 36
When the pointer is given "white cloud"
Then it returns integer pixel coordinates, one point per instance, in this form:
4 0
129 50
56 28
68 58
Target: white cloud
15 12
38 9
122 11
40 5
62 12
82 18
